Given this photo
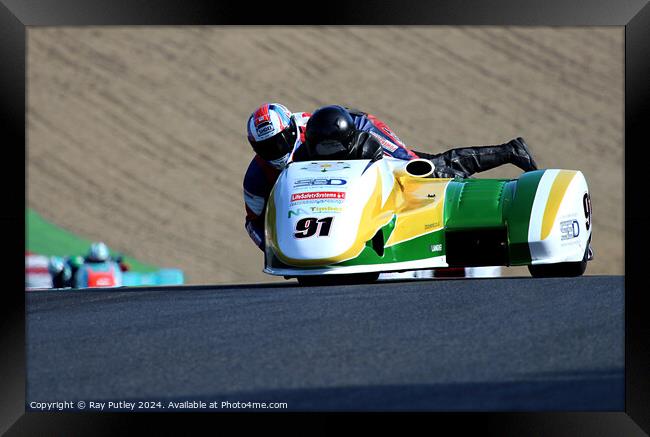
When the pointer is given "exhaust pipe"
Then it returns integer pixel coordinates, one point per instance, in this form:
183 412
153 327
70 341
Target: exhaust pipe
420 168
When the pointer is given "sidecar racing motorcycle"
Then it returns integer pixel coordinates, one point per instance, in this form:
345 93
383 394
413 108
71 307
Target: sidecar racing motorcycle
348 221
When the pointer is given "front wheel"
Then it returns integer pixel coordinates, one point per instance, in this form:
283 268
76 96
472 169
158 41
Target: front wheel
349 279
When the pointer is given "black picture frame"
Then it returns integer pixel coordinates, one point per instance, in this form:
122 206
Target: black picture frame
17 15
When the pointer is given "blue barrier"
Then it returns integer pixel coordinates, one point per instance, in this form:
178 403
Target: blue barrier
161 277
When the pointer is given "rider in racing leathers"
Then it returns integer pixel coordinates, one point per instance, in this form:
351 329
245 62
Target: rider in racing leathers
60 272
98 254
273 131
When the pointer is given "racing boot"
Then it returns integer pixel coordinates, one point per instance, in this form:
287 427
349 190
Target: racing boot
465 161
521 156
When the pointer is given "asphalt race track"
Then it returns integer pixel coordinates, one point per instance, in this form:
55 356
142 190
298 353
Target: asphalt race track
443 344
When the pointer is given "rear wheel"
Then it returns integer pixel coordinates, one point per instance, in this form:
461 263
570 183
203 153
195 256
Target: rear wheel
560 270
356 278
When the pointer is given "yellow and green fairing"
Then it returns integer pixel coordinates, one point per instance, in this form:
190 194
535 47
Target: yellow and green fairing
412 222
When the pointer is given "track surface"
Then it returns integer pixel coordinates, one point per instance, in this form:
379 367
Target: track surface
457 344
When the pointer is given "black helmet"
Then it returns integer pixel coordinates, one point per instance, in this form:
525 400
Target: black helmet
331 124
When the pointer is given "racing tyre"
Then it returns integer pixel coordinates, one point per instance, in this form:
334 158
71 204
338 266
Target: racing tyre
357 278
560 270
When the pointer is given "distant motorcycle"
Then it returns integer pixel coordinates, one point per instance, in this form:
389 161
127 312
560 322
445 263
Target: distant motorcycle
77 272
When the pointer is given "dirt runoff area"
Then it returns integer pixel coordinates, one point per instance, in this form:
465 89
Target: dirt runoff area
136 135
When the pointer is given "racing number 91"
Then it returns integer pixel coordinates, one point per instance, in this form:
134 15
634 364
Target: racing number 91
586 204
310 226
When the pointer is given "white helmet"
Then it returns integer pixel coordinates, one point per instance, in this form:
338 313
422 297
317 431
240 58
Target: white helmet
55 265
98 252
272 131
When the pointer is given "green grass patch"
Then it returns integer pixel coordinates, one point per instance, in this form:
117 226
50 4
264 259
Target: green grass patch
45 238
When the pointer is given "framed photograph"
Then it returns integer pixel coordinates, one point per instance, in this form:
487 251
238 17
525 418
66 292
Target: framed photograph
264 194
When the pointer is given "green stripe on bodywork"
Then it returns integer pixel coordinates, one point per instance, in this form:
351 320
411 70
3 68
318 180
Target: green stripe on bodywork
45 238
416 249
519 196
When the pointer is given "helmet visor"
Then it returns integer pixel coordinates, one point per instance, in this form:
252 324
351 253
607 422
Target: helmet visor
278 145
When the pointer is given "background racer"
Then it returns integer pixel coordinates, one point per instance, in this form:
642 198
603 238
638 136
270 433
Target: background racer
64 269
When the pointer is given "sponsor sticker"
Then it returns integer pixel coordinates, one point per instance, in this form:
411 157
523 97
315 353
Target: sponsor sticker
264 130
314 209
384 142
316 202
334 209
317 182
298 211
391 133
569 229
325 166
317 195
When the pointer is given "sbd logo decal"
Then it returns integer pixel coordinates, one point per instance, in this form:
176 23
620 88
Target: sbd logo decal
302 183
569 229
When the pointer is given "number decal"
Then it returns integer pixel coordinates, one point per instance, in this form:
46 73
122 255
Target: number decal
310 226
306 227
325 225
586 204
